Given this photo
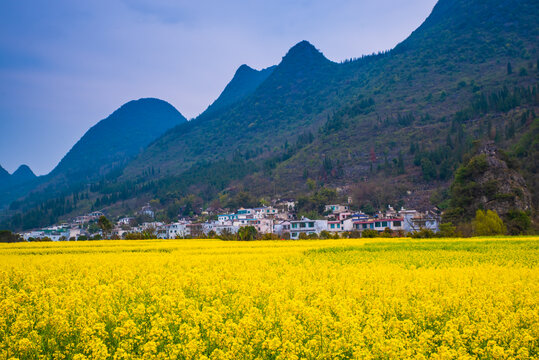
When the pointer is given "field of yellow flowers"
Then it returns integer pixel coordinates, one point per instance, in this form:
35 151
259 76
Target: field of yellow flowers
323 299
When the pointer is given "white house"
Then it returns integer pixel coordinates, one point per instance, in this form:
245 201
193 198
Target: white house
414 220
281 227
177 229
53 233
335 209
226 218
379 225
95 215
125 221
265 211
264 226
335 226
307 226
148 211
219 228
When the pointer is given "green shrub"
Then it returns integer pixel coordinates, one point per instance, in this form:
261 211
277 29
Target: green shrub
447 230
423 234
518 222
369 233
488 223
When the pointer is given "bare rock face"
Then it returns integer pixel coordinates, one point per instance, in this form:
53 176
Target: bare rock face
511 190
488 182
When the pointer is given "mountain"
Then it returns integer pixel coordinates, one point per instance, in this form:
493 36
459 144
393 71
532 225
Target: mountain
387 128
102 151
23 175
252 122
4 176
443 86
244 82
114 140
302 58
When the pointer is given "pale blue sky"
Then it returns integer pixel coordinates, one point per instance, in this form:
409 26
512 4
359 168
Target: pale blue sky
66 64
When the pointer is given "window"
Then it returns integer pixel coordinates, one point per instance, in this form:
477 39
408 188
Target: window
377 224
384 224
396 223
294 226
365 226
311 224
302 225
294 234
332 226
338 226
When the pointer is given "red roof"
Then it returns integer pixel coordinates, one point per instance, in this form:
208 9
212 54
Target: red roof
376 220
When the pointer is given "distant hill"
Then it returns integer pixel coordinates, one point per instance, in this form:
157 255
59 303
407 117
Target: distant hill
17 184
105 148
113 141
23 175
387 128
244 82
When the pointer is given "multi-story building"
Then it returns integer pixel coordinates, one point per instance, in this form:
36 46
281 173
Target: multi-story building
379 224
307 226
414 220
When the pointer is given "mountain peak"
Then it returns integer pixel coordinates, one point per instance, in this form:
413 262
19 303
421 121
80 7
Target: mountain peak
245 81
24 172
244 69
302 57
144 104
304 52
113 141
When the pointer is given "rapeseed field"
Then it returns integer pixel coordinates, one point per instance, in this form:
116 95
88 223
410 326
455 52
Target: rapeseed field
323 299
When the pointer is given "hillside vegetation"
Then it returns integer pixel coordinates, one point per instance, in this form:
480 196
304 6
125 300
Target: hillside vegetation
387 128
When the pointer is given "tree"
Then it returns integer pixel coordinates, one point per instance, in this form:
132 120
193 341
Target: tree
428 169
387 232
488 223
447 230
7 236
400 164
104 224
247 233
324 234
226 235
518 222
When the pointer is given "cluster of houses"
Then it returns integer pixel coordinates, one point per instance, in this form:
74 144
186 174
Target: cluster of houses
279 220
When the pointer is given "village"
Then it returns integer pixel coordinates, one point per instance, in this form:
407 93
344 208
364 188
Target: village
278 221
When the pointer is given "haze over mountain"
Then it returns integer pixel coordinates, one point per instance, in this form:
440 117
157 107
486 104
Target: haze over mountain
105 147
379 127
114 140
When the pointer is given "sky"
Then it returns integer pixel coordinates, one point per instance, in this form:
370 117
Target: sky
67 64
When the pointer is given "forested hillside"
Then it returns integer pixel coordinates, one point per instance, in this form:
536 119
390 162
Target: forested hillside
386 128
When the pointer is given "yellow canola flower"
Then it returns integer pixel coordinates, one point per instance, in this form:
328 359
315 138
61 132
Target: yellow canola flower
326 299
